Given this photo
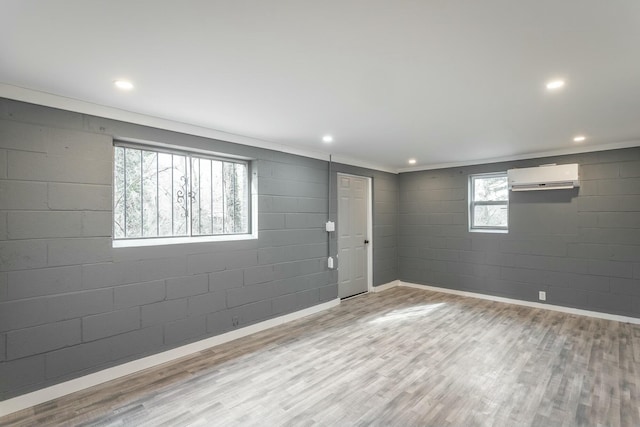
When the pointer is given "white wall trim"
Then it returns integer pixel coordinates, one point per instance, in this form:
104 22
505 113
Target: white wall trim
369 232
386 286
71 104
58 390
528 156
346 160
83 107
569 310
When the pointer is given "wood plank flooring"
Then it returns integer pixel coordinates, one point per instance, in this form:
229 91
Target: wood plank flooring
404 357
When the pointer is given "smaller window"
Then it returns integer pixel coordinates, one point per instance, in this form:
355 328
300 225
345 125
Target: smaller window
489 202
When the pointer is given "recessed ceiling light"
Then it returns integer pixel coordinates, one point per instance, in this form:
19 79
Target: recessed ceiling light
555 84
327 138
579 138
412 161
123 84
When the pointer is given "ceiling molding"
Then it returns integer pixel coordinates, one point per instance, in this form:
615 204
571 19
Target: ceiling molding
83 107
551 153
337 158
71 104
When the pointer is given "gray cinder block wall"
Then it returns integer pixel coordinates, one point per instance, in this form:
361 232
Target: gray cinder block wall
70 304
581 246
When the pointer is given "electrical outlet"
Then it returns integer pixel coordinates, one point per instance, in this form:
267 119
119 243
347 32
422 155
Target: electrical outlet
542 295
235 320
330 262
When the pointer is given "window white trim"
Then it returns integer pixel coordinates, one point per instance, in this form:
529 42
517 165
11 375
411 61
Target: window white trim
472 203
489 230
176 149
188 153
178 240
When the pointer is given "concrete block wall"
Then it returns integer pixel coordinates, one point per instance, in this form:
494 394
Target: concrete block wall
70 304
581 246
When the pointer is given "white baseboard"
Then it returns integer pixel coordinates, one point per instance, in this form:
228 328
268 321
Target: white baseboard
58 390
386 286
577 311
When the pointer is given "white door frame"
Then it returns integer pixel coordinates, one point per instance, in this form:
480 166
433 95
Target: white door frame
369 226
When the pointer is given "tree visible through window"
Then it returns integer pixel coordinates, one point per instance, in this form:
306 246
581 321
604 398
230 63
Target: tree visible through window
171 194
488 202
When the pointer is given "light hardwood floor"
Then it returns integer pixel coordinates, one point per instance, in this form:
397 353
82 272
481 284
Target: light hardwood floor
403 357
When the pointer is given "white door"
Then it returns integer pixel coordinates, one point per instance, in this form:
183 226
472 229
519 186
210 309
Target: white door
353 203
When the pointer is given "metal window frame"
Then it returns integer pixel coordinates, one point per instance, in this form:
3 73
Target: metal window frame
473 203
189 155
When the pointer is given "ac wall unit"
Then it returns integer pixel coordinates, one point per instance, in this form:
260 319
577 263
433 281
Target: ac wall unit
547 177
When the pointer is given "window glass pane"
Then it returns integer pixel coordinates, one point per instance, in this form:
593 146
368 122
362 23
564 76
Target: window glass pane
160 194
118 194
165 192
490 216
230 190
217 195
195 196
202 206
149 194
488 188
133 193
235 198
242 199
181 196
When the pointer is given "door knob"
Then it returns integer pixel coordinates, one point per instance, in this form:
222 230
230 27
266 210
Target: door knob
366 242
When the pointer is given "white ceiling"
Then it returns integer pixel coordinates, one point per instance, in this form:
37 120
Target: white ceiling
444 81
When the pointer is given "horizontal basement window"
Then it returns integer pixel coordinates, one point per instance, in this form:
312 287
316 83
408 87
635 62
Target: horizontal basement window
166 196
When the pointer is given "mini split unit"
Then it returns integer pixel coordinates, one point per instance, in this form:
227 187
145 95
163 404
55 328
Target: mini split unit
547 177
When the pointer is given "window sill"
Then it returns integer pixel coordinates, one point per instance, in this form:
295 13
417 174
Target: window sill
163 241
488 230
